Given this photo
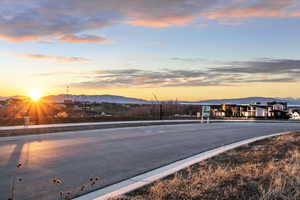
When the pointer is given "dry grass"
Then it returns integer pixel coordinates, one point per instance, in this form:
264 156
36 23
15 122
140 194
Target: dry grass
265 170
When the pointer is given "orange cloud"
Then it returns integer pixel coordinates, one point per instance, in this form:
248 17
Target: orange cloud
295 14
92 39
250 12
28 38
162 22
56 58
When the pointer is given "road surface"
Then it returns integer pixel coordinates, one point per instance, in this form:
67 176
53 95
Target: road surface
110 154
3 128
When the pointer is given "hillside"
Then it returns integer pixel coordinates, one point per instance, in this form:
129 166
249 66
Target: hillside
96 98
248 100
127 100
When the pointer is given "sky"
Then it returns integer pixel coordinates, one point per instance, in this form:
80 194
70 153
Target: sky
175 49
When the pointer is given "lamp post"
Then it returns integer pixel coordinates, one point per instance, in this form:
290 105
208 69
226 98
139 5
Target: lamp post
26 120
160 111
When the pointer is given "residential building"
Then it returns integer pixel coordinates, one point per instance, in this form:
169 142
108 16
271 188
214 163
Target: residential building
271 110
296 115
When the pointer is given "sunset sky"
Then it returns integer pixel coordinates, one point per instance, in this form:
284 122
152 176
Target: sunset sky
185 49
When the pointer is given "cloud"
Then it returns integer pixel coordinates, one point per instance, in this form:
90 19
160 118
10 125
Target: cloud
56 58
20 38
232 74
254 9
251 13
72 20
85 39
162 22
164 13
188 60
30 20
274 80
262 66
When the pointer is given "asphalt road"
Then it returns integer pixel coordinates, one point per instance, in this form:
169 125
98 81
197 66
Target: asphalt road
110 154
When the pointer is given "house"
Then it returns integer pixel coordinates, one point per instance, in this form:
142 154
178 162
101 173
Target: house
251 109
271 110
218 113
3 104
230 110
278 110
296 115
261 111
243 111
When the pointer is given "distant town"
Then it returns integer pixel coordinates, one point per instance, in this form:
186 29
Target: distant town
13 111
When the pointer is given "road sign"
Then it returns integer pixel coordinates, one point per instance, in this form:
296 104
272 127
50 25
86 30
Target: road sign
206 111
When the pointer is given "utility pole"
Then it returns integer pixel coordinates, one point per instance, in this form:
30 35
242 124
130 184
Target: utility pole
67 93
160 111
160 107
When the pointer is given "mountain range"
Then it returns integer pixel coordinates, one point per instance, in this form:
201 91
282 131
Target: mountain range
3 98
127 100
95 98
122 99
247 100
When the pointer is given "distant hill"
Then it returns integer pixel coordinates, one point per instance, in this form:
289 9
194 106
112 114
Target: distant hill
3 98
127 100
14 97
248 100
96 98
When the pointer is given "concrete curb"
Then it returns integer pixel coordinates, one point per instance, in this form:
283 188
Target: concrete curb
39 131
4 128
162 172
90 124
57 128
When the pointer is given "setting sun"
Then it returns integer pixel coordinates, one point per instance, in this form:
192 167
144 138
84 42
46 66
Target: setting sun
35 95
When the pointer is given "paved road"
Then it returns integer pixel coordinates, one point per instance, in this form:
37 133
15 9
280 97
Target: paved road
3 128
111 154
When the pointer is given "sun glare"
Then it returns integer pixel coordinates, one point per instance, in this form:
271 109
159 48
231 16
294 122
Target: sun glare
35 95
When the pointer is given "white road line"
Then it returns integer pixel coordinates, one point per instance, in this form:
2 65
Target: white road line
157 174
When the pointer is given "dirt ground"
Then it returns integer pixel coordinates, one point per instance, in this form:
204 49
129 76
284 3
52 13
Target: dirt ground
264 170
